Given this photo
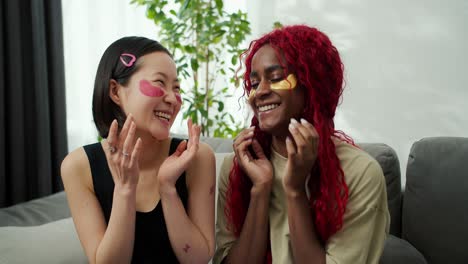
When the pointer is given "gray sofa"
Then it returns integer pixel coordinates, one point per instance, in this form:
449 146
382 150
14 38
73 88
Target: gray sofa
429 218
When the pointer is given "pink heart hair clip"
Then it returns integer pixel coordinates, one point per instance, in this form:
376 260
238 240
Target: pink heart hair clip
127 56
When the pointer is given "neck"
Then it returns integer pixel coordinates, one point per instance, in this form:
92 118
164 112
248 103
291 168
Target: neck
153 151
279 145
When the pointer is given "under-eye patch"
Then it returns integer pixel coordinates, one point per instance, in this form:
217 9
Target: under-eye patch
252 94
287 84
150 90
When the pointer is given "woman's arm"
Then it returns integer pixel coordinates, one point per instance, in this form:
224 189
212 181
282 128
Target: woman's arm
251 246
114 243
192 233
302 154
305 244
102 244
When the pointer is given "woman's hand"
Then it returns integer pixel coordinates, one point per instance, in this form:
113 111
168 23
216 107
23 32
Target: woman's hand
174 165
302 154
258 168
122 154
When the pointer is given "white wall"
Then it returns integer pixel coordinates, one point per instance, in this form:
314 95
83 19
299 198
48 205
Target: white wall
406 64
405 61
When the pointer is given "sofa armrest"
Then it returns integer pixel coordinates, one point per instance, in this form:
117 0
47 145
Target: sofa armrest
36 212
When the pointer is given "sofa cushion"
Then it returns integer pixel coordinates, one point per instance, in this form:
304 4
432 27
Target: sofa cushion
399 251
219 161
390 164
54 242
435 207
36 212
219 145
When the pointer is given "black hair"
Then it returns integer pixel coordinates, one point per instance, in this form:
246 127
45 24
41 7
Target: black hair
111 67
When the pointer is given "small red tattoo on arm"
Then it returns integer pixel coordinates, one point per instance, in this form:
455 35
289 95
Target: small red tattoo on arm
212 189
186 248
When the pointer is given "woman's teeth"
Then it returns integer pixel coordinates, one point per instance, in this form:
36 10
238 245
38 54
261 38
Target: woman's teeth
162 115
267 107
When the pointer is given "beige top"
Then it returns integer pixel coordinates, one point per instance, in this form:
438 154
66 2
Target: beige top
366 219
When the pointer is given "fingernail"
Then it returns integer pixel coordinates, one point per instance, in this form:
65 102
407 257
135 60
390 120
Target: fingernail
303 121
292 127
293 121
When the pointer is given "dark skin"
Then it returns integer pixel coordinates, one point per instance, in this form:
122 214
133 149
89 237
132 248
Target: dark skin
278 112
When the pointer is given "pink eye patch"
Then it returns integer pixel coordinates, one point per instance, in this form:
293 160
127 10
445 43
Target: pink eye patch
150 90
178 98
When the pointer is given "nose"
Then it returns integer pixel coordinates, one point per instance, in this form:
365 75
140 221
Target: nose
263 89
172 98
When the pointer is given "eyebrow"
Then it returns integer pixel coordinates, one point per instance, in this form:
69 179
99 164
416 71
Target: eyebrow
268 70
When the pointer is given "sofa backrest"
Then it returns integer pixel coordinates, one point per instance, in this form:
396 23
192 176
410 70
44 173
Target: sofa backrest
435 206
388 160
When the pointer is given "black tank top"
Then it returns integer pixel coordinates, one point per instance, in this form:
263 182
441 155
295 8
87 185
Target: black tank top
152 243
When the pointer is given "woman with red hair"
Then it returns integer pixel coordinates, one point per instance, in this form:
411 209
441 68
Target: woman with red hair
296 190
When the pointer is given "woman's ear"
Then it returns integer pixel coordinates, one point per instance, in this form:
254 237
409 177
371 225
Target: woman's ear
114 89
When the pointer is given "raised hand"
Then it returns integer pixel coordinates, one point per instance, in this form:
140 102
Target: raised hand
258 168
122 154
178 162
302 154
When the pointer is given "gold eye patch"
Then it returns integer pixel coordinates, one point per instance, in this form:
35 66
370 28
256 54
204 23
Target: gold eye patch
288 84
252 94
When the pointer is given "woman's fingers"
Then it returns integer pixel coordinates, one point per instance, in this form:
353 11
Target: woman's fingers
194 137
127 146
257 148
111 137
290 148
246 134
304 135
190 132
308 130
180 148
241 143
124 131
135 153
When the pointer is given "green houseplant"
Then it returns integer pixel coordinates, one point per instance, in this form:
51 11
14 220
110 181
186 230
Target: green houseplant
205 41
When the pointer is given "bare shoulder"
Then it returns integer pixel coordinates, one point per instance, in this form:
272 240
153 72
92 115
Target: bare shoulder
205 149
75 168
203 165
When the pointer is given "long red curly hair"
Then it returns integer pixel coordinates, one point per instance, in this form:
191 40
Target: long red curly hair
311 56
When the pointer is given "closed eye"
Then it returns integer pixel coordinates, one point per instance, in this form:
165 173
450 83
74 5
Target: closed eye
275 80
159 82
